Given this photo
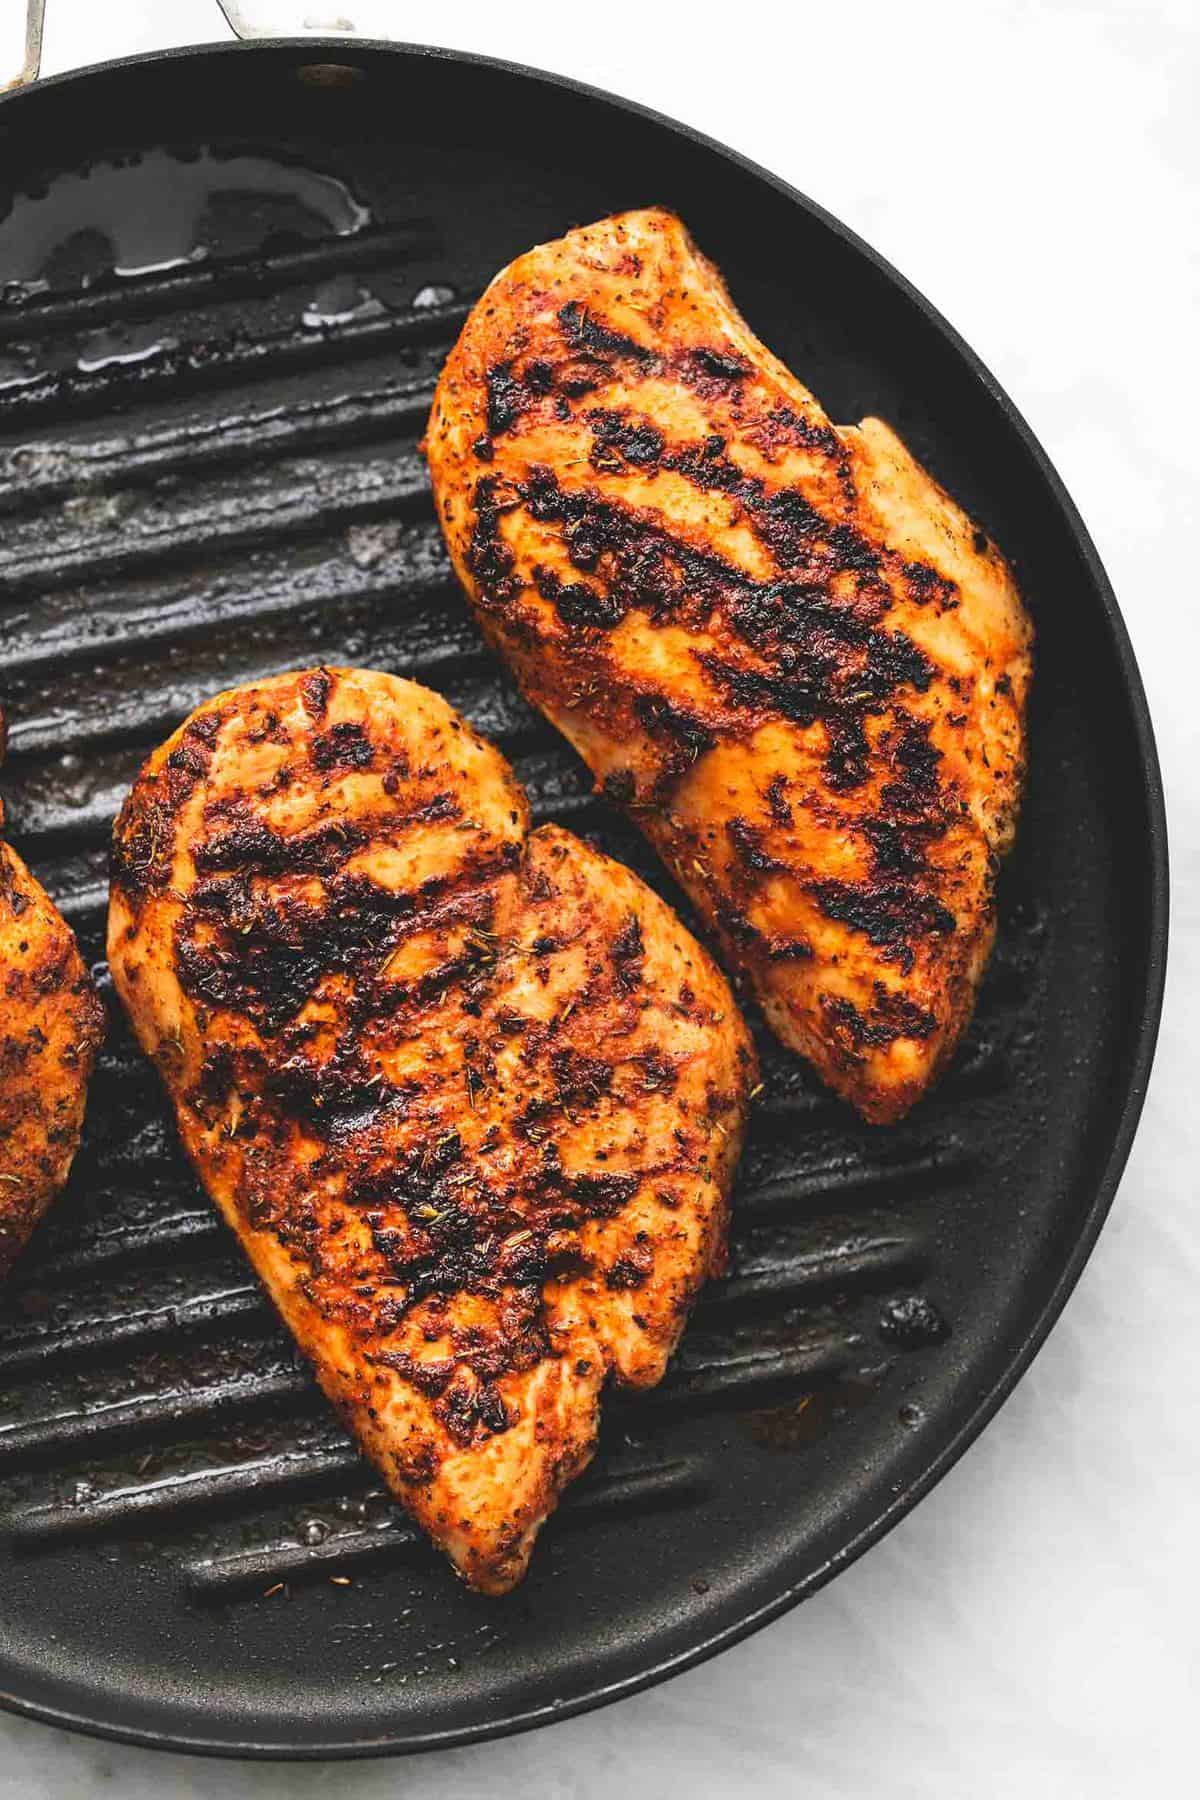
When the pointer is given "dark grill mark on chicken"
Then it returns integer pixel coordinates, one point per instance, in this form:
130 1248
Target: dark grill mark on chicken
142 859
582 331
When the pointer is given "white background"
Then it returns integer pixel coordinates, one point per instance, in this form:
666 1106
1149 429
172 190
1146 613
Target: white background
1031 1630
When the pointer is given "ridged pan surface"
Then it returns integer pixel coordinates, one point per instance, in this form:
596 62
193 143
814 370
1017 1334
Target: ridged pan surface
209 471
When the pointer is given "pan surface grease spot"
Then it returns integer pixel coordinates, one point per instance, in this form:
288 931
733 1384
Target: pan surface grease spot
163 209
798 1423
341 301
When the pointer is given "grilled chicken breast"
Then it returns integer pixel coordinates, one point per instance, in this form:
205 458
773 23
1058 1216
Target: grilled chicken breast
776 640
470 1096
51 1024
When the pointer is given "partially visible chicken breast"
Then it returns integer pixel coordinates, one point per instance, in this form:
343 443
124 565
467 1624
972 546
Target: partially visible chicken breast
777 641
51 1025
470 1096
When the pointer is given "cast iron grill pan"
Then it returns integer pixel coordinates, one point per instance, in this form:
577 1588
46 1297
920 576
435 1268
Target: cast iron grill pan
191 1552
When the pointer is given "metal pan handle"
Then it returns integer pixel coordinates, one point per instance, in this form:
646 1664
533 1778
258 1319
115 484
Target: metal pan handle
245 18
14 73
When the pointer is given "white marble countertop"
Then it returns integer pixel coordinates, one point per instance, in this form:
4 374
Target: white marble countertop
1031 1629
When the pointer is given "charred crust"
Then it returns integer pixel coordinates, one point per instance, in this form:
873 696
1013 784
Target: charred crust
577 604
619 786
315 690
747 841
914 791
344 746
599 1196
489 558
618 439
506 399
242 844
777 801
732 922
15 900
579 1078
710 371
469 1404
143 849
585 334
783 428
630 1271
890 1016
629 953
684 734
896 849
788 949
927 588
848 756
892 916
659 1073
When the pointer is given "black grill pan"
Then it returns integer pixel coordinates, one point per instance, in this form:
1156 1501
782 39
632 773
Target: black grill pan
242 493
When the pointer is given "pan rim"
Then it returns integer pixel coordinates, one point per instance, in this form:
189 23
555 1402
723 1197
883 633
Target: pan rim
1143 1033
